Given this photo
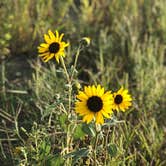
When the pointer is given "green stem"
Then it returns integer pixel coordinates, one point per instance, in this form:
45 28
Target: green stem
95 145
69 83
75 62
3 79
64 67
37 78
106 143
68 135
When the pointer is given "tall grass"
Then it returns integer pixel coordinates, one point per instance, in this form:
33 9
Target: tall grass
127 48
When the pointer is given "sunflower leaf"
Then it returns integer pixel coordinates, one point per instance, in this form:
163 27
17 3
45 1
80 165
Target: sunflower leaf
76 155
55 160
63 119
88 129
79 133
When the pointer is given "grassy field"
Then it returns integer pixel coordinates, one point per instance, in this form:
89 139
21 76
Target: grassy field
38 122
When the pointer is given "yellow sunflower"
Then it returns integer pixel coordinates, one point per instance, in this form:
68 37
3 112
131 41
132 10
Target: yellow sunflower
122 100
94 103
54 46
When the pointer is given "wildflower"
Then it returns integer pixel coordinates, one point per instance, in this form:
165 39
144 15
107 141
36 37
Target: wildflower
87 40
54 46
122 100
94 103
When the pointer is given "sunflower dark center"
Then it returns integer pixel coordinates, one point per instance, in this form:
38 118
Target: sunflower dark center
118 99
54 47
95 103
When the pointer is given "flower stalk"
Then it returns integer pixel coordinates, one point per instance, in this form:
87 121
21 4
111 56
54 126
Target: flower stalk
95 145
3 78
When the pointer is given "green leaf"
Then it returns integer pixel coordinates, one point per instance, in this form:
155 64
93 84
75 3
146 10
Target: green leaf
78 154
56 160
45 148
79 133
88 129
63 119
112 150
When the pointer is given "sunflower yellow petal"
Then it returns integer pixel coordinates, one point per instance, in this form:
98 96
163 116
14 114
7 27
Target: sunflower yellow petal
120 90
80 103
47 58
82 112
62 53
82 96
65 44
57 58
99 118
51 34
88 118
47 39
61 36
125 91
43 50
105 114
44 54
87 91
57 34
93 90
122 108
117 108
45 45
98 89
107 96
50 57
101 92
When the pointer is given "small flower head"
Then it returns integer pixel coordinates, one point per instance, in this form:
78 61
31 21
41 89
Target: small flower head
87 40
122 100
94 103
54 46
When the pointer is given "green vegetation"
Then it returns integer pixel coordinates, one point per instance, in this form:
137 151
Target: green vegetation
38 124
